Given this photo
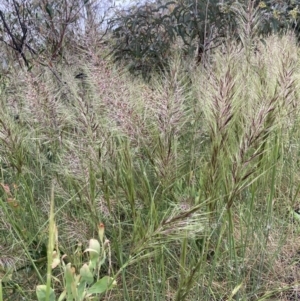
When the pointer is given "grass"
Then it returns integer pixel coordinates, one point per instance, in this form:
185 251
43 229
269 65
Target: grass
195 175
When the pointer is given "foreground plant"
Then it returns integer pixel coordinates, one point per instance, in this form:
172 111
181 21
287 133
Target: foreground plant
85 285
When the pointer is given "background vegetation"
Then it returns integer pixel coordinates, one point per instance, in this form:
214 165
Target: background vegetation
176 128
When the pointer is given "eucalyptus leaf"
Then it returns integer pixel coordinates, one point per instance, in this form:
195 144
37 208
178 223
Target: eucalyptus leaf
49 10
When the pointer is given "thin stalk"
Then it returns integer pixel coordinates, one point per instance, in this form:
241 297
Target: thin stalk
51 244
1 295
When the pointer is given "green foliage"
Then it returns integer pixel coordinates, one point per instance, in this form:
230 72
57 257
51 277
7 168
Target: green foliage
82 286
192 173
279 16
200 24
41 292
145 36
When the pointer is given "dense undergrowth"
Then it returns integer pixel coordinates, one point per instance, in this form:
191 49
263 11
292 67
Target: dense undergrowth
195 175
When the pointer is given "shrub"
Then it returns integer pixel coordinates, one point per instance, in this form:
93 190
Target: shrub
143 36
279 16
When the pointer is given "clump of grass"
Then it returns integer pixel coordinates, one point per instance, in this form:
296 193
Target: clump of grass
192 174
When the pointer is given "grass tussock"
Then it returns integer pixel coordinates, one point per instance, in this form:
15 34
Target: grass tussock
195 176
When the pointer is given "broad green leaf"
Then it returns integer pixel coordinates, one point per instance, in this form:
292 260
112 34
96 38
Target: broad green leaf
86 274
81 290
41 293
70 282
94 252
102 285
94 247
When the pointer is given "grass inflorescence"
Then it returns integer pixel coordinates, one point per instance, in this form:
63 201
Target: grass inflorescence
194 175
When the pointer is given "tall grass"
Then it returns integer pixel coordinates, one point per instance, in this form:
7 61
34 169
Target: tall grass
194 175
